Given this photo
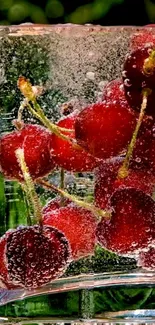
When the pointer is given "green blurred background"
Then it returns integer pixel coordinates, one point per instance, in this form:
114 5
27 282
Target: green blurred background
104 12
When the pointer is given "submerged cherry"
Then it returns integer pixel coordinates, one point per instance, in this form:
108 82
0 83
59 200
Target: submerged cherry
68 156
139 77
54 204
36 142
3 267
36 255
77 224
132 224
142 38
4 276
146 258
105 129
114 92
5 281
107 181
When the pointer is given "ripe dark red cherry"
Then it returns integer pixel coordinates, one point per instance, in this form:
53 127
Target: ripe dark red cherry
3 267
138 76
36 255
4 275
67 156
132 224
77 224
146 258
107 181
105 129
36 142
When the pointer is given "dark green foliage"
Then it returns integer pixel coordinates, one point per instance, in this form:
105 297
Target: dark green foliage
65 304
102 261
23 56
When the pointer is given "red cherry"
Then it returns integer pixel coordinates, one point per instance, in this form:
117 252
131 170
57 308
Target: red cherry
142 38
36 255
3 266
146 259
67 156
105 129
54 204
132 224
137 77
144 152
107 181
141 153
4 276
35 140
114 92
77 224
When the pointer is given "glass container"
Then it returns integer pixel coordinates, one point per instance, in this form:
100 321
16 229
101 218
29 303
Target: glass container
52 73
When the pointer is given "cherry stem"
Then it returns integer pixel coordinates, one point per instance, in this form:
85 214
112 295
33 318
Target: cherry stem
29 205
149 64
83 204
20 110
30 188
124 169
53 127
62 185
27 90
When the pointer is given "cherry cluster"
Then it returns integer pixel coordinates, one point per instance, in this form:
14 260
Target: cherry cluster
101 138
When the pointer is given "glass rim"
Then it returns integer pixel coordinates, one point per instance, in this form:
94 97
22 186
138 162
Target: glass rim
81 282
66 29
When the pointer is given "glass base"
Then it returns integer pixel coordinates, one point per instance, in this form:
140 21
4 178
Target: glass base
109 298
127 317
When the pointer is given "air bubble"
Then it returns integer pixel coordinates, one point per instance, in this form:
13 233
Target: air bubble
138 159
127 83
90 75
124 73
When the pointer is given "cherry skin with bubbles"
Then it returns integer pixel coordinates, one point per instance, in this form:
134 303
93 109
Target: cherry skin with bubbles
77 224
68 156
146 259
114 92
139 78
142 38
107 181
36 255
36 142
131 226
105 129
4 275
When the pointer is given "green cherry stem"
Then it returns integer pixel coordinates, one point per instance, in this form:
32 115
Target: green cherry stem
29 204
29 186
51 126
124 169
28 92
83 204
